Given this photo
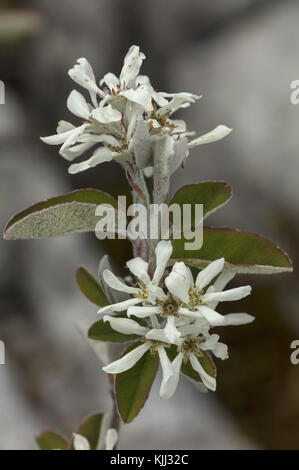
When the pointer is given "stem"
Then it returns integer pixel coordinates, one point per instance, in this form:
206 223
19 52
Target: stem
115 421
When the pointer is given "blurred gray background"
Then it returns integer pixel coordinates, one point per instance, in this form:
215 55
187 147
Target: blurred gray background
242 56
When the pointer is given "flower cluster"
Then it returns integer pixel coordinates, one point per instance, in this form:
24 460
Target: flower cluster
169 310
124 119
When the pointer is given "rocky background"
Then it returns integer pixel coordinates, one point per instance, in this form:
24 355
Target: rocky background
242 56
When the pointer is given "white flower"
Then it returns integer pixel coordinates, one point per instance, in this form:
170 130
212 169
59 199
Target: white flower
190 346
128 326
148 289
111 119
196 300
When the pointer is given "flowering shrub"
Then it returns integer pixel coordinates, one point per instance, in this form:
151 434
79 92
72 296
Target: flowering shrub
167 306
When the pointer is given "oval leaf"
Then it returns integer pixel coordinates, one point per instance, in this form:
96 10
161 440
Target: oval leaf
244 252
91 429
90 287
70 213
212 194
50 440
133 386
102 331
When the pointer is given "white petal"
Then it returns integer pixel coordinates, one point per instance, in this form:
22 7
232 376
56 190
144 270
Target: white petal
58 139
73 136
140 96
171 331
178 282
210 342
116 284
82 74
165 364
111 439
163 252
179 100
154 293
169 387
111 81
214 318
119 306
75 151
238 319
131 67
207 380
76 104
221 351
80 442
227 295
206 275
64 126
143 312
125 326
106 114
216 134
221 282
157 334
139 268
101 155
128 360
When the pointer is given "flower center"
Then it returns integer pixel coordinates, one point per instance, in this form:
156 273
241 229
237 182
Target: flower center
143 292
195 295
170 306
191 345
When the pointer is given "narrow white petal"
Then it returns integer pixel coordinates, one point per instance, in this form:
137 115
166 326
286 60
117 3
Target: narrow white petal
221 282
76 104
125 326
106 114
143 312
178 282
157 334
127 361
238 319
214 318
111 439
163 252
216 134
101 155
206 275
207 379
58 139
73 136
171 331
116 284
82 74
80 442
139 268
169 387
75 151
227 295
120 306
165 364
132 64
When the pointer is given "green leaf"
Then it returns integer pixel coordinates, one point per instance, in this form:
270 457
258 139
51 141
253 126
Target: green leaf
212 194
206 362
49 440
90 287
244 252
102 331
91 429
70 213
133 386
